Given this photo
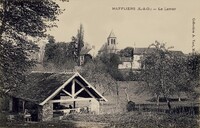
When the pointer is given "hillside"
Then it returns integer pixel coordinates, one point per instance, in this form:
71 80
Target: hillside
117 103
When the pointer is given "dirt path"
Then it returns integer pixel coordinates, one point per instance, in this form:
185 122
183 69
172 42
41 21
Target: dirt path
82 124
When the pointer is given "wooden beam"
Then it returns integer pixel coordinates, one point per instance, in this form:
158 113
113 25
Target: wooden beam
90 86
73 88
79 91
70 100
85 88
66 92
58 90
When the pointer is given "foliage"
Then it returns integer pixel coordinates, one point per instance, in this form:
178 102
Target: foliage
165 72
23 22
130 106
154 120
51 39
194 65
127 52
193 68
112 61
133 76
60 55
80 38
96 73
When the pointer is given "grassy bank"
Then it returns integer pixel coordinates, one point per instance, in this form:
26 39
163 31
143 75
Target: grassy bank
140 120
126 120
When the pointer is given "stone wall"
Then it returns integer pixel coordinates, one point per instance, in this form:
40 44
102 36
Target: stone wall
45 112
94 106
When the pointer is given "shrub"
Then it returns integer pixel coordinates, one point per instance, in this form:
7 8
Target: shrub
130 106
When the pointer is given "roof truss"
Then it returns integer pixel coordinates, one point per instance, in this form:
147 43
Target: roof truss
74 93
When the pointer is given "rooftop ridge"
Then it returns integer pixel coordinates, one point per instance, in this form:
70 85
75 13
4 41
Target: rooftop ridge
73 72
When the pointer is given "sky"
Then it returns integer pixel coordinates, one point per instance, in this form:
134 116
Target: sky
134 28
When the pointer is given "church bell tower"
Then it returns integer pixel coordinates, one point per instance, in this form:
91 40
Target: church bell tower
111 42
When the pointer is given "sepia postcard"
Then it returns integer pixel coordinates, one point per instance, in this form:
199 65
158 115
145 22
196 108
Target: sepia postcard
100 63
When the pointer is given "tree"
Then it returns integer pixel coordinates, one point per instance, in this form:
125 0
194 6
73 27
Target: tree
96 73
127 52
80 40
23 22
73 49
51 39
59 56
164 71
112 61
193 67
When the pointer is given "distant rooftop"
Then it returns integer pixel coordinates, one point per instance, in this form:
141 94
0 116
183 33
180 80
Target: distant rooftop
139 51
85 51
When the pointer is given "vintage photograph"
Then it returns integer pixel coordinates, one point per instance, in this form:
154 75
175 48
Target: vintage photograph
99 64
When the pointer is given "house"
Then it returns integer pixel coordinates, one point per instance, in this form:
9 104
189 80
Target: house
46 95
126 63
133 61
85 55
138 54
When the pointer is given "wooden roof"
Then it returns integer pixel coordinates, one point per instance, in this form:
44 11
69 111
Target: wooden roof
41 87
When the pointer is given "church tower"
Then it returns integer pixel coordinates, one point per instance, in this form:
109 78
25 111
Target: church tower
112 42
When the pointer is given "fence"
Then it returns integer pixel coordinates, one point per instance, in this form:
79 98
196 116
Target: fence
191 109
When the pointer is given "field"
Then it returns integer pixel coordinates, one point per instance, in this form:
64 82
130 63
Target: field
127 90
117 103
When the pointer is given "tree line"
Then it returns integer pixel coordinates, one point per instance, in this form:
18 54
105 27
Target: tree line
23 23
60 56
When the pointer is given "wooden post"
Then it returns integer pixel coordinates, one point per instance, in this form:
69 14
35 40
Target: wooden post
73 89
73 93
74 104
23 105
11 104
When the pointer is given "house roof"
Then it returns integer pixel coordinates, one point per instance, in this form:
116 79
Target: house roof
126 59
140 51
85 51
179 53
103 47
40 87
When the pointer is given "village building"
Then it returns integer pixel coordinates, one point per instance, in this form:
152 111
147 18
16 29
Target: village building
47 95
85 54
126 62
133 62
110 46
